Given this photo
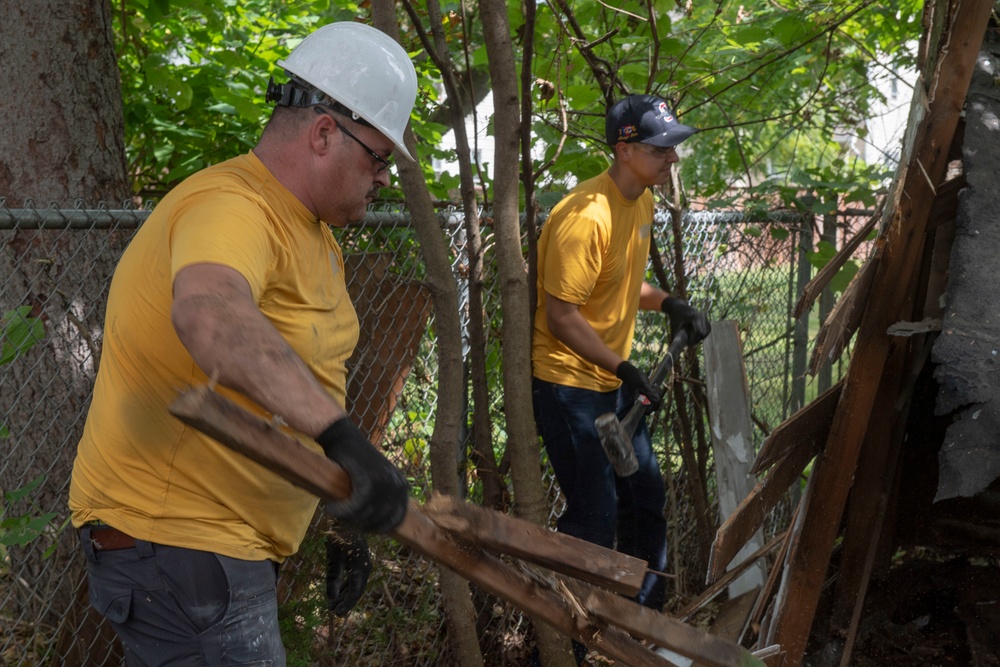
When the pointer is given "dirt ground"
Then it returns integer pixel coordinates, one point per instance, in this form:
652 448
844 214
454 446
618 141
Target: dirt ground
927 613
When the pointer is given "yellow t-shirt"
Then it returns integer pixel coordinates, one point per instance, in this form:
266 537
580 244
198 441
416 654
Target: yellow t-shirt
592 252
140 469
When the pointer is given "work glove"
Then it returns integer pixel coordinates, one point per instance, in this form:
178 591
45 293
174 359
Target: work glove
683 316
379 492
348 564
639 384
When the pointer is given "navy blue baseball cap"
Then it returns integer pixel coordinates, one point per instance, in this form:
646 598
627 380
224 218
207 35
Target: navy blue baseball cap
644 119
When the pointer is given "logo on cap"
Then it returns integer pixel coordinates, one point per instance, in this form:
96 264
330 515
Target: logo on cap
664 113
627 132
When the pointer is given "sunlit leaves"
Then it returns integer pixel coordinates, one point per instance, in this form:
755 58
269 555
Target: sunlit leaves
775 85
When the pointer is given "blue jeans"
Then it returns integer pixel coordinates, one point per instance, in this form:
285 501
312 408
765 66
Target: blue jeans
602 508
174 606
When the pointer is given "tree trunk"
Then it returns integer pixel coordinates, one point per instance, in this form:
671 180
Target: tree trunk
522 438
62 145
459 609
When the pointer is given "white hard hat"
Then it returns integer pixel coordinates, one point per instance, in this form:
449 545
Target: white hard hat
362 68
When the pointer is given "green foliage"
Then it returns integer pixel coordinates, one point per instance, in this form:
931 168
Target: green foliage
821 257
771 84
19 530
193 77
18 333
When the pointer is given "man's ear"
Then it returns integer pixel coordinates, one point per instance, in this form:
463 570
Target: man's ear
321 133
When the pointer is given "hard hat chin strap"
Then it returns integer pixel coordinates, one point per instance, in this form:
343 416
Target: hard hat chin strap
298 93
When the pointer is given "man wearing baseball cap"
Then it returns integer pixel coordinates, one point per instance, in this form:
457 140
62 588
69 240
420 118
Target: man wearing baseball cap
592 257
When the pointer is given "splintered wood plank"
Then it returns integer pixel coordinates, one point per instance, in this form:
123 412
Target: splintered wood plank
661 630
260 441
732 618
718 585
772 656
864 536
815 287
807 428
845 318
751 514
863 577
760 606
557 551
923 165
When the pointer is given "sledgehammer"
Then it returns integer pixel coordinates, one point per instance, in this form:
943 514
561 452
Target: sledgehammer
616 435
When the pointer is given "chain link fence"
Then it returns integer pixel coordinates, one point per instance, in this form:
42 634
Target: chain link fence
57 266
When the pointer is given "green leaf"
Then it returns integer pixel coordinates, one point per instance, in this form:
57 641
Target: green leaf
157 73
750 35
788 30
822 255
844 276
779 233
583 96
19 333
24 529
672 47
24 491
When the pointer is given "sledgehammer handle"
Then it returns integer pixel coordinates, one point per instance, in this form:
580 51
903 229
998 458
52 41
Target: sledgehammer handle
616 435
631 420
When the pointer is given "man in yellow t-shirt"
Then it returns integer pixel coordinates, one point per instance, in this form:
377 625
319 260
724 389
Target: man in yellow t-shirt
591 262
236 276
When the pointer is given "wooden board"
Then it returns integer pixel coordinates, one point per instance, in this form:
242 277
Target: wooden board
557 551
751 514
264 443
807 428
553 601
731 429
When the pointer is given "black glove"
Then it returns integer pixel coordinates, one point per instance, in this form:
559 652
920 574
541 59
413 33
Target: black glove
683 316
348 564
638 383
379 492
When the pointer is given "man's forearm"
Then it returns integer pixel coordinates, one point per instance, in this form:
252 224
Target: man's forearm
231 340
575 332
651 297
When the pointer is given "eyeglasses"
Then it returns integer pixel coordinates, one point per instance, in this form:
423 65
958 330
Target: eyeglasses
382 163
661 152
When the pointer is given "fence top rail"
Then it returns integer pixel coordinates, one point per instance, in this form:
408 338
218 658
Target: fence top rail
105 218
75 218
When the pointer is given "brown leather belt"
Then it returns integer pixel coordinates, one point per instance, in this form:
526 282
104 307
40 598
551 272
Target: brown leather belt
106 538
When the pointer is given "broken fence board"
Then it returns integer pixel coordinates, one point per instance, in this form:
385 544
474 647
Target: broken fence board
750 516
539 545
716 587
262 442
816 286
661 630
731 429
845 318
808 427
277 451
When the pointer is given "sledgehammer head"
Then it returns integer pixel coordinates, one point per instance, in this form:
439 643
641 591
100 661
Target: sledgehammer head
616 436
617 444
